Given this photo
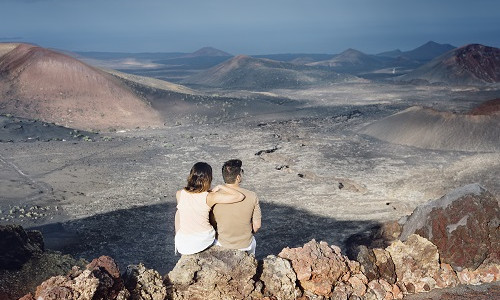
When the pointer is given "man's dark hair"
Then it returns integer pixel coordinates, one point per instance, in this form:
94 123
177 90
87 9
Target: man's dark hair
230 170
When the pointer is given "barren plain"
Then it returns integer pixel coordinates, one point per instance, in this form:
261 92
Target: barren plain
316 175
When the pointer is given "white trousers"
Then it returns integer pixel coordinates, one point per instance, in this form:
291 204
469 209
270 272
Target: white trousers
250 249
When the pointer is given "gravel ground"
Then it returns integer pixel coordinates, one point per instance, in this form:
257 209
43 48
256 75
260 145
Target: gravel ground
315 175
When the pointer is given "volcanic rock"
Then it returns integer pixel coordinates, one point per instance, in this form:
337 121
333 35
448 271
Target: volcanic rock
385 265
463 224
18 282
17 246
144 284
446 277
417 262
279 278
489 271
358 283
317 265
215 273
382 290
368 262
100 280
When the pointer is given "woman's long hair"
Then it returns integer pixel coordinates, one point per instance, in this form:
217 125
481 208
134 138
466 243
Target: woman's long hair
200 178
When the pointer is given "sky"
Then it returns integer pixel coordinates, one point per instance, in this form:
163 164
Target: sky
249 27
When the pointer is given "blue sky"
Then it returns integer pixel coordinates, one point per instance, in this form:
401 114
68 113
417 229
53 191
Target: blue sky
249 27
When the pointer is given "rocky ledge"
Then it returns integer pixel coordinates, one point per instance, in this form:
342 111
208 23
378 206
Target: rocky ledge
445 243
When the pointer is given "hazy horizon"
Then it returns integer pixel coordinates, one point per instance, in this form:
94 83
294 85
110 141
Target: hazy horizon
257 27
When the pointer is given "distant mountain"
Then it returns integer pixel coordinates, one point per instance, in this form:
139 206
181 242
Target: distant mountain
246 72
470 64
428 51
201 59
123 55
351 60
39 83
393 53
208 51
298 58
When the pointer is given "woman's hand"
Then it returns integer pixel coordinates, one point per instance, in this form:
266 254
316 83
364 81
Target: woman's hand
216 188
223 194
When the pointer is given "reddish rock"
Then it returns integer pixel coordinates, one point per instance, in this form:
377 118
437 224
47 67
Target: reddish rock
396 292
446 277
318 266
417 263
486 273
358 283
341 291
463 224
100 280
107 264
25 297
377 291
106 270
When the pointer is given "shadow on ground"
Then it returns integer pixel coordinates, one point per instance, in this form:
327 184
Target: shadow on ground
146 234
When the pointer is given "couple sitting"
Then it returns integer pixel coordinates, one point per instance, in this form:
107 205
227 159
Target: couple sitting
236 211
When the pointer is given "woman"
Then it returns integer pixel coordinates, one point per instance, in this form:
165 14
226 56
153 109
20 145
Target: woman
193 232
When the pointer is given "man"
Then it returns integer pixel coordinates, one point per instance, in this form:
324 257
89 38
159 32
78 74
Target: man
237 222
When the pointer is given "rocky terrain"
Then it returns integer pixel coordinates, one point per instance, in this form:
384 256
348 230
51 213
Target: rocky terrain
465 253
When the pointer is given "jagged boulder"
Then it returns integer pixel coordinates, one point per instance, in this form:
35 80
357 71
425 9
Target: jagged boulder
318 266
487 272
377 263
382 290
99 281
446 277
144 284
17 246
15 283
417 263
463 224
279 278
215 273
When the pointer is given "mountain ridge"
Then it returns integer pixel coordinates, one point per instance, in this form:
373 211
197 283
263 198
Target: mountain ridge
43 84
469 64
